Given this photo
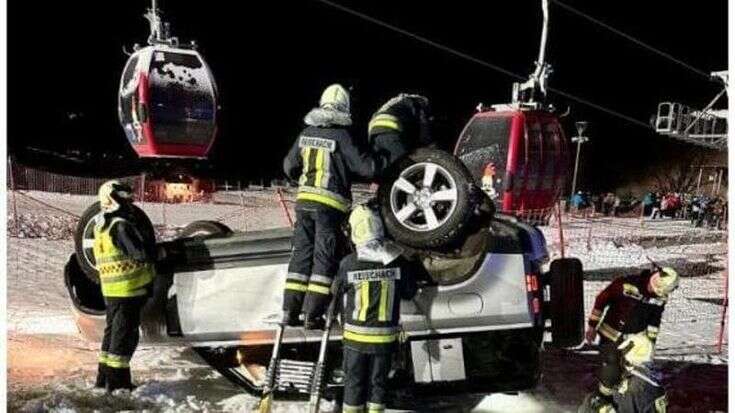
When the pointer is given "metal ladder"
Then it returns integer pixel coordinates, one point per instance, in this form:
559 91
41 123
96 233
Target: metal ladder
304 377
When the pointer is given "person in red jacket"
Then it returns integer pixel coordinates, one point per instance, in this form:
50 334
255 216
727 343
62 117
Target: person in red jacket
630 306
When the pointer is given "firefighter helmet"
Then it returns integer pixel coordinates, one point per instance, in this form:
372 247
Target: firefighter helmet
664 281
112 194
335 97
365 225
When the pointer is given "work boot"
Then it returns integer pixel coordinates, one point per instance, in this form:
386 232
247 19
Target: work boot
101 381
314 323
291 319
119 379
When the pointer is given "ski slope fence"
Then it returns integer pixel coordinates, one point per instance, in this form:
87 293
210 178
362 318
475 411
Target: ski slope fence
43 207
614 246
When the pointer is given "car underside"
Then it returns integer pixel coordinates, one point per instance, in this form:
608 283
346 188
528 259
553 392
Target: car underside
481 315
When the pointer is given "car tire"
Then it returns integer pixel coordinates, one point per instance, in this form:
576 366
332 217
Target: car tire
567 302
202 229
427 199
84 237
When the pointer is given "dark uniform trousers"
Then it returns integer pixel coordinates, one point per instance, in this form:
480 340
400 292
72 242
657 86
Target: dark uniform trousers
366 378
314 260
610 373
121 338
641 397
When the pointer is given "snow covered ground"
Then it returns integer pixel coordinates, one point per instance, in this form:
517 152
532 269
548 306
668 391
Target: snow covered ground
51 369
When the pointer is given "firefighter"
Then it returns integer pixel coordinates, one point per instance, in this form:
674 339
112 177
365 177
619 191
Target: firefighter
400 125
371 282
324 159
630 306
125 263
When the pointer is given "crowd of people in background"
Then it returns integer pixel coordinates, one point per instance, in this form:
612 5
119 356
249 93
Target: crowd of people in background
701 210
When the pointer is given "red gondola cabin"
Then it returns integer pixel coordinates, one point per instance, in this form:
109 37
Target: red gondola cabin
167 103
522 153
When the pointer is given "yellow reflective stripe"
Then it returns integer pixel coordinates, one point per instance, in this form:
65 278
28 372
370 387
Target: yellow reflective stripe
369 338
320 289
320 154
295 286
305 154
109 259
103 357
346 408
323 199
364 300
385 124
609 332
385 116
131 286
327 164
375 407
111 279
607 391
117 362
383 304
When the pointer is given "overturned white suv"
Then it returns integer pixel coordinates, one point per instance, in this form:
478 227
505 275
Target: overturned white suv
477 325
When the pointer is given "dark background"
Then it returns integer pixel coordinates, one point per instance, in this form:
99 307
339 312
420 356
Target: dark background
272 59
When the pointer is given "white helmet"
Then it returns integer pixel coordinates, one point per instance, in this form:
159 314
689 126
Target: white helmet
335 97
366 225
113 193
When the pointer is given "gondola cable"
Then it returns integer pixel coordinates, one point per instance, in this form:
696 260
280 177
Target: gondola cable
632 39
476 60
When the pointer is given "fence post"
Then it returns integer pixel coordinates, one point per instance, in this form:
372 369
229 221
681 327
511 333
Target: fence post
244 215
142 187
723 324
16 219
561 227
282 201
163 213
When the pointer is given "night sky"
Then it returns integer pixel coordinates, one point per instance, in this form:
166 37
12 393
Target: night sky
271 60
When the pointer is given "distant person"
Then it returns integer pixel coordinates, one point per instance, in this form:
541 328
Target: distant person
125 261
659 207
626 315
324 159
648 202
400 125
577 200
616 205
371 283
607 203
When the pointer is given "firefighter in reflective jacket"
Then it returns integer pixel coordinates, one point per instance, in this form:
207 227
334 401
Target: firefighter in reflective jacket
126 267
324 159
627 315
371 282
403 123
